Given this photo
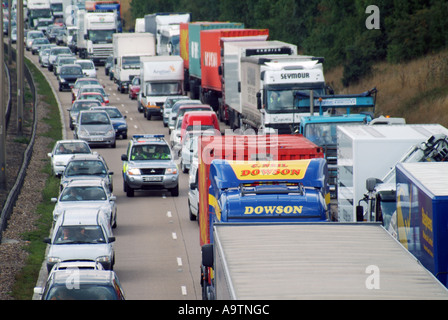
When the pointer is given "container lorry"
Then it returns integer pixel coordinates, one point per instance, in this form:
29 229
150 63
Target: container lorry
190 50
372 151
230 107
212 42
380 198
247 148
94 37
267 91
170 23
325 114
314 261
422 206
128 49
37 9
113 6
57 8
160 77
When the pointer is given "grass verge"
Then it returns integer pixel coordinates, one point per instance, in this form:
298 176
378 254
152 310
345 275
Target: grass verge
26 279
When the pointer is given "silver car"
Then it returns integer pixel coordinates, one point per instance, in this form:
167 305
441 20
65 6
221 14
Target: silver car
63 150
79 105
95 127
81 234
148 165
85 167
87 194
54 52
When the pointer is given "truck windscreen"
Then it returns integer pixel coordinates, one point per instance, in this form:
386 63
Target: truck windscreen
101 36
282 101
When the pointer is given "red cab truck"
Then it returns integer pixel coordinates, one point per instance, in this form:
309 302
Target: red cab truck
190 50
245 148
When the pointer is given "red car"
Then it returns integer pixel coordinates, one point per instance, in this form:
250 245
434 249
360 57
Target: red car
134 88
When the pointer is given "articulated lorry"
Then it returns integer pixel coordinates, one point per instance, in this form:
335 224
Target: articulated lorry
380 198
366 151
325 114
314 261
94 37
268 86
230 106
190 50
421 216
160 77
128 49
242 179
37 9
166 28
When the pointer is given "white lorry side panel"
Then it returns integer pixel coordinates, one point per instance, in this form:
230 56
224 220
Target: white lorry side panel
233 52
371 152
131 45
317 261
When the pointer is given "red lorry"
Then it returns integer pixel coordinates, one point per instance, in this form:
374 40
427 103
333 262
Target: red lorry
245 147
211 48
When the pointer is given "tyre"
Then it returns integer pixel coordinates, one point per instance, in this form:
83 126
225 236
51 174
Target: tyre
175 191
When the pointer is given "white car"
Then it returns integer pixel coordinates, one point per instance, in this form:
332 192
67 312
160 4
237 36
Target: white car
30 36
87 194
175 136
63 150
193 192
88 67
81 234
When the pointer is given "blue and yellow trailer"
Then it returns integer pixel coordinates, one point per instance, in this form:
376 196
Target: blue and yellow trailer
422 214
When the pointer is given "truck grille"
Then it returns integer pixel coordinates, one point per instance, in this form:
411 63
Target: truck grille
102 52
154 171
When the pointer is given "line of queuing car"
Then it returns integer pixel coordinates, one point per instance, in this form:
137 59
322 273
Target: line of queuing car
81 244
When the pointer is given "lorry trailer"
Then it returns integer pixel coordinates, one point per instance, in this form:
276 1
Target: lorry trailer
314 261
422 207
372 151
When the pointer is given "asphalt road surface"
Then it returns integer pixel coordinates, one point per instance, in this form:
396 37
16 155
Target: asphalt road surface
157 246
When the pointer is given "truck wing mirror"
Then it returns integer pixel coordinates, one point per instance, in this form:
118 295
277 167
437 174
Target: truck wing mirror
207 255
258 100
371 183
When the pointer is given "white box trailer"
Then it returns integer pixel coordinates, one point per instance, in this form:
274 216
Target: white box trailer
263 78
160 77
128 49
347 261
372 151
234 50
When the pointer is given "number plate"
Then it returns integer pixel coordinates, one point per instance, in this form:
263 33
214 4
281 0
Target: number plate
152 179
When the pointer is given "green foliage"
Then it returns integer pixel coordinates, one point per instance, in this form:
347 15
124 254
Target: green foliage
333 29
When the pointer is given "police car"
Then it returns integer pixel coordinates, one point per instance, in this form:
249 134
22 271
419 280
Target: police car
148 165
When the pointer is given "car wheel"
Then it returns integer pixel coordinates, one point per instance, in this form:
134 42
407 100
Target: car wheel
175 191
129 191
192 216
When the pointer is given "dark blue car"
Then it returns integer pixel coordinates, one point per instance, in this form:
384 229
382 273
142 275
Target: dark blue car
68 75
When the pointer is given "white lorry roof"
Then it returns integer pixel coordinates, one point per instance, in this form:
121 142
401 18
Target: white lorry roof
320 261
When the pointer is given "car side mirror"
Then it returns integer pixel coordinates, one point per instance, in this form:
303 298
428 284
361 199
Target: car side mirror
111 239
124 157
47 240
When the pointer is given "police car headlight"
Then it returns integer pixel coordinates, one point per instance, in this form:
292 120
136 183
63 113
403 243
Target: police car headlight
134 171
53 260
171 171
103 259
110 132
